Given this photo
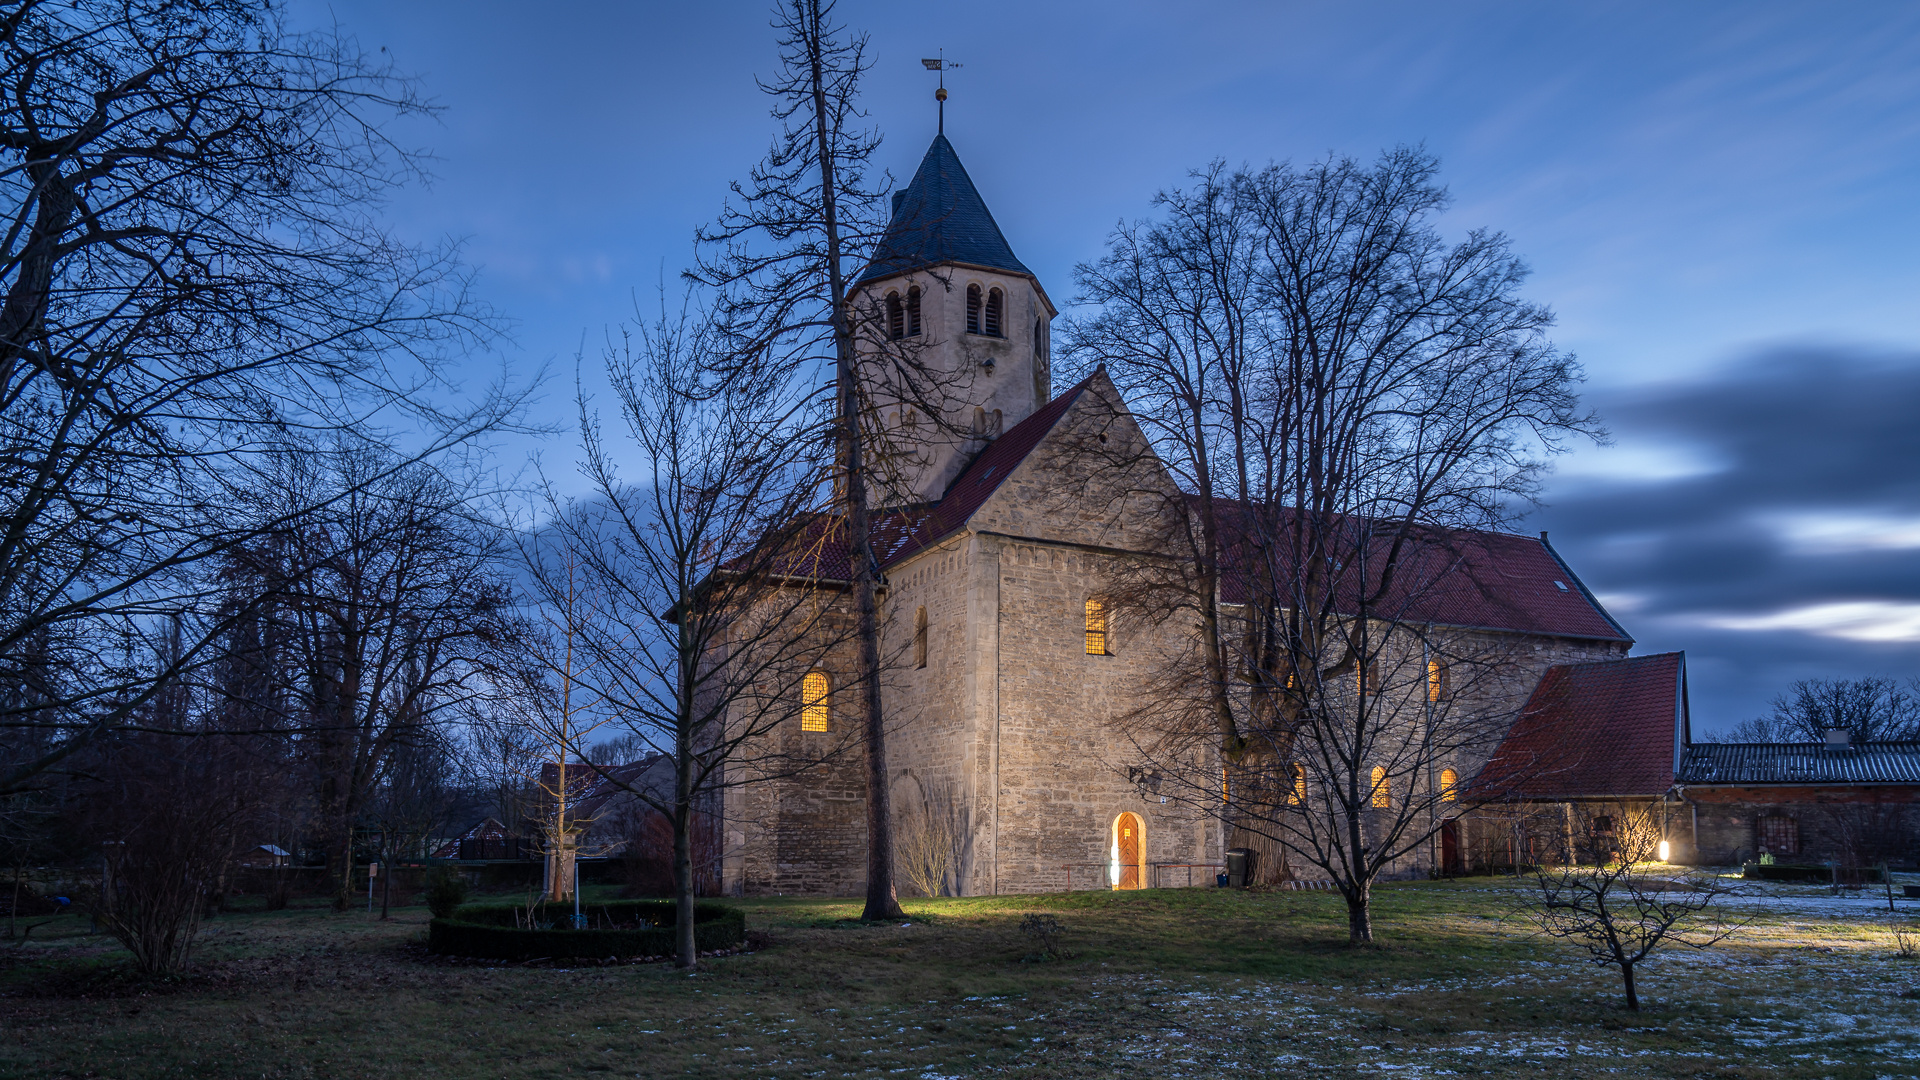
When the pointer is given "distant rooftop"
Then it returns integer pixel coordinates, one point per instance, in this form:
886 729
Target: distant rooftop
939 217
1801 763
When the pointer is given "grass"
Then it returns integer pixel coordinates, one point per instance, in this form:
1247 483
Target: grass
1160 983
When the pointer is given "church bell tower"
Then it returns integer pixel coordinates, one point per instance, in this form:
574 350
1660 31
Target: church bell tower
954 331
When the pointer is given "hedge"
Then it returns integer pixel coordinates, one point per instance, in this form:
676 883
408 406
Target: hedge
488 930
1805 872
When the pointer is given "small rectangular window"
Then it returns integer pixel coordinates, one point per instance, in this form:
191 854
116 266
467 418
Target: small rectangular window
1096 628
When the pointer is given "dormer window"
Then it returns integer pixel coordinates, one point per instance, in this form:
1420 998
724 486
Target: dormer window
973 309
996 305
896 318
913 311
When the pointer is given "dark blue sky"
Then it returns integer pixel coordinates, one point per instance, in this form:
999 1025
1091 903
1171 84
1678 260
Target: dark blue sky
1719 200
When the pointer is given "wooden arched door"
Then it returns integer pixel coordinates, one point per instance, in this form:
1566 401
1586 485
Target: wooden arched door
1129 852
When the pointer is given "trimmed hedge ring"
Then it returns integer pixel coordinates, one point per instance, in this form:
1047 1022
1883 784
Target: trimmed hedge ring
488 930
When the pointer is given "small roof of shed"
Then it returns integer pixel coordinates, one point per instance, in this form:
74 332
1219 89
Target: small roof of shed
1801 763
1609 728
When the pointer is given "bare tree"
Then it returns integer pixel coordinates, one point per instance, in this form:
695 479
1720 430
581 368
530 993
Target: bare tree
1342 397
708 618
1869 709
389 600
1620 909
190 272
781 254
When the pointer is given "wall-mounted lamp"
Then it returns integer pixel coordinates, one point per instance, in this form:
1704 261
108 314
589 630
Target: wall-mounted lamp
1664 852
988 364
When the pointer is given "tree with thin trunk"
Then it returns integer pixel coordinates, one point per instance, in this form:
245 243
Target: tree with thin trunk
1621 907
389 600
709 619
191 276
1343 398
781 253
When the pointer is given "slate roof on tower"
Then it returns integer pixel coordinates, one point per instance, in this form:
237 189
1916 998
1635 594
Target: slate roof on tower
939 217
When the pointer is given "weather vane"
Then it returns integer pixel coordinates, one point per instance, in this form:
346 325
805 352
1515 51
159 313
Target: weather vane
941 64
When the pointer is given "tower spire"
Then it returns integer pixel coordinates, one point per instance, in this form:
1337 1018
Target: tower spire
940 64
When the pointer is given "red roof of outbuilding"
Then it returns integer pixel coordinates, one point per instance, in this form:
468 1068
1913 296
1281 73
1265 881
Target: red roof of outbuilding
1602 729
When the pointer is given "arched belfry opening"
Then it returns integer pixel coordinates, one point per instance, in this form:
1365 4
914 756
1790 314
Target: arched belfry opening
1127 867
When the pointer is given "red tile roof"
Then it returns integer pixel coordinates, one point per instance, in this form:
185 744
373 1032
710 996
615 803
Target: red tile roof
1465 578
1600 729
1461 578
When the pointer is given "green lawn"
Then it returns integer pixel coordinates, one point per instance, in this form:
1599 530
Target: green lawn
1161 983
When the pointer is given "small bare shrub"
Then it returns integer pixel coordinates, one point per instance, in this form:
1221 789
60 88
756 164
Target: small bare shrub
1046 932
1620 909
1906 942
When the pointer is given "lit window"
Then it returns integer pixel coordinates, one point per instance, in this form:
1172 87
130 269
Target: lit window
814 691
1369 677
1096 627
1382 789
995 304
1449 785
973 309
1299 793
913 311
1436 681
920 638
896 318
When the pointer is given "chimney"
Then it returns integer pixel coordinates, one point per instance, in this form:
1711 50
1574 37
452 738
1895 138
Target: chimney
1838 738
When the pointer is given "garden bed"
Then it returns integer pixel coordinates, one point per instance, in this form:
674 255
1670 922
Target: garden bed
613 928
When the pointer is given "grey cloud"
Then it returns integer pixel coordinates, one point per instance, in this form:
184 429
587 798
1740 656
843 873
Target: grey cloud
1810 432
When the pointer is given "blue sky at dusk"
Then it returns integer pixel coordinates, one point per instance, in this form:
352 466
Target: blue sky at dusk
1721 201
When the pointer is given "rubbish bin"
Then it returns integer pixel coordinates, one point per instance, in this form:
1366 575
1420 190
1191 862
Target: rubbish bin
1239 867
1912 891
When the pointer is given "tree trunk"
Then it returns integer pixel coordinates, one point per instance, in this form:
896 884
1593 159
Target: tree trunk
686 955
386 877
1359 917
1626 974
882 898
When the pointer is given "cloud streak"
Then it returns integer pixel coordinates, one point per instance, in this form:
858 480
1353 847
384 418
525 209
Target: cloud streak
1766 518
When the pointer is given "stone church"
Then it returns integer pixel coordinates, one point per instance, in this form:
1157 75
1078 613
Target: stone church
1008 674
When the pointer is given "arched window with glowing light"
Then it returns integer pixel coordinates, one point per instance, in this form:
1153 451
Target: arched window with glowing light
1299 793
1096 627
1127 857
1369 677
815 710
1382 789
1436 680
1449 785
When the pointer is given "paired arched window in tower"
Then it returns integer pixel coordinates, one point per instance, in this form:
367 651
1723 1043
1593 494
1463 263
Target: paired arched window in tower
913 311
896 317
815 692
986 313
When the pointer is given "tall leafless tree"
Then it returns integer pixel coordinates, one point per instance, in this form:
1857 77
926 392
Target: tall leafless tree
705 604
782 253
191 271
1871 708
1342 396
389 600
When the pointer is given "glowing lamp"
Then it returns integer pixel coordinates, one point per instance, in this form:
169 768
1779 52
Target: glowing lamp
1664 851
